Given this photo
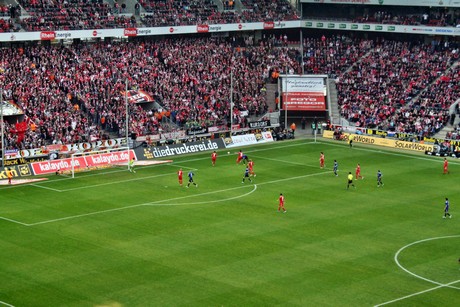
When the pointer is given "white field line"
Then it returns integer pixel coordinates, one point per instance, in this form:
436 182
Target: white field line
5 304
418 293
166 202
289 162
413 274
391 153
45 187
153 165
272 147
155 203
203 158
164 164
160 203
13 221
182 166
104 184
381 150
439 285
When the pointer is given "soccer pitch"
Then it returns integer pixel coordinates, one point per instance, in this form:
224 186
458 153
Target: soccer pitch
115 238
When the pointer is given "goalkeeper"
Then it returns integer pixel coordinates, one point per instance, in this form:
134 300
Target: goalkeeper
131 165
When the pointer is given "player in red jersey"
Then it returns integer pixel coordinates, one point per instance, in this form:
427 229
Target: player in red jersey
358 172
213 158
446 166
240 157
281 203
251 168
321 160
179 176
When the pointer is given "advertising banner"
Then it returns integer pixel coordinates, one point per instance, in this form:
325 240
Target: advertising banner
396 144
197 130
248 139
149 153
259 124
89 161
17 170
265 136
303 94
19 161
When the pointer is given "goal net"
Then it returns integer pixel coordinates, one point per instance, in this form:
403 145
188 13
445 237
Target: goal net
101 159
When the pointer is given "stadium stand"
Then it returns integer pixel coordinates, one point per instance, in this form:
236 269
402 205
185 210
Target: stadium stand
52 15
400 86
73 93
66 91
388 14
72 15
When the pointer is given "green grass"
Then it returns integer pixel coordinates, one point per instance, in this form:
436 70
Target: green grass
113 238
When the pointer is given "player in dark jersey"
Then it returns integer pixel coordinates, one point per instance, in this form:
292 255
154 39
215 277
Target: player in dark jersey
379 179
245 159
246 175
446 209
190 179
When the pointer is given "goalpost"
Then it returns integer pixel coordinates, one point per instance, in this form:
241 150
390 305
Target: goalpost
100 159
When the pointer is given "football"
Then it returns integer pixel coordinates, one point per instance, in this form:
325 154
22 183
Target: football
228 152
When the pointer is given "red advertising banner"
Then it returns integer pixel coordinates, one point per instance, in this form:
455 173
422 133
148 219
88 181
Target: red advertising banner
304 101
81 162
268 25
202 28
130 32
47 35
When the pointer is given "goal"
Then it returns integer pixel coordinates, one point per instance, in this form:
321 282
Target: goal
100 159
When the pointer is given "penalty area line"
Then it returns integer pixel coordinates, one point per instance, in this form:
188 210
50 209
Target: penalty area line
134 206
160 202
2 303
205 202
13 221
46 188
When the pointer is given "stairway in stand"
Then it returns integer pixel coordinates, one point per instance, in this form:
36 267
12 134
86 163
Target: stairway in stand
271 89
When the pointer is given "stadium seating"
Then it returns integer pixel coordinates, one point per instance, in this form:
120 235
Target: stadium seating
66 91
73 94
72 15
400 86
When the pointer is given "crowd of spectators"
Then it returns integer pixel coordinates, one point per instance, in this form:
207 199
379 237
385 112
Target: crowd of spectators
12 11
332 55
389 85
270 10
45 15
97 14
6 25
191 12
72 15
385 14
402 87
177 13
73 93
434 17
228 4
